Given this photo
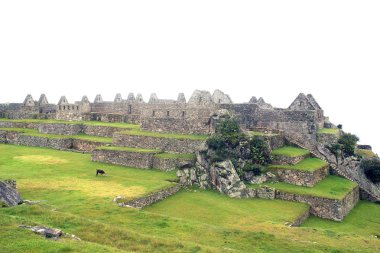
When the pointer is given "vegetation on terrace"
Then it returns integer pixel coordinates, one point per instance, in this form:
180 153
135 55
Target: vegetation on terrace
332 187
80 203
308 164
34 132
334 131
290 151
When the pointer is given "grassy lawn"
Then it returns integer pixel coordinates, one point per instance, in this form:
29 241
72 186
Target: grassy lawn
166 135
362 220
308 164
290 151
332 187
328 131
34 132
88 123
175 155
128 149
193 220
366 153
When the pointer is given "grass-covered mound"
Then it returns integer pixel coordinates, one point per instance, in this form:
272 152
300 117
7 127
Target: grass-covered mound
332 187
290 151
34 132
308 164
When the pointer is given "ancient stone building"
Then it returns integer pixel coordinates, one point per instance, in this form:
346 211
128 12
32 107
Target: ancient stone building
302 118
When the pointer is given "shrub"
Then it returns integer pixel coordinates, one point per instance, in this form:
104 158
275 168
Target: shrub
339 126
260 152
348 143
371 168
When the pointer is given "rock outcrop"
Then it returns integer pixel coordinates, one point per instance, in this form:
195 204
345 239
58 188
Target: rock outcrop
220 176
9 195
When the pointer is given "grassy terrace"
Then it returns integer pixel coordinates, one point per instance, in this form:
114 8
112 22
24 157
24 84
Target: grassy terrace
128 149
175 155
290 151
166 135
308 164
332 187
328 131
193 220
366 153
34 132
88 123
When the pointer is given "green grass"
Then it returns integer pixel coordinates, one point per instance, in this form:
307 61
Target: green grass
308 164
366 153
332 187
78 202
329 131
175 155
128 149
290 151
363 219
89 123
34 132
166 135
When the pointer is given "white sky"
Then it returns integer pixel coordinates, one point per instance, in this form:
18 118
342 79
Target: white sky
274 49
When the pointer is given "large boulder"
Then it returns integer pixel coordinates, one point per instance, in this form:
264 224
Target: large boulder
9 195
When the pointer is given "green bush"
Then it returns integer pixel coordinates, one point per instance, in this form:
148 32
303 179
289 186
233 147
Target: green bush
348 143
255 168
371 168
260 152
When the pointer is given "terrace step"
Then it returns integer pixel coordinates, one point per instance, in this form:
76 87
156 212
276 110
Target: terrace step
142 158
332 198
308 172
289 155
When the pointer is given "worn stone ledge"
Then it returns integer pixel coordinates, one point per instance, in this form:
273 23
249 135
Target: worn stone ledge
327 139
301 219
152 198
169 164
287 160
150 142
125 158
333 209
301 177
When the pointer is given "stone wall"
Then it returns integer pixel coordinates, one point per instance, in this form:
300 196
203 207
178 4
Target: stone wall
153 197
168 164
327 139
85 145
301 219
125 158
62 129
165 144
7 124
302 178
38 141
102 131
332 209
287 160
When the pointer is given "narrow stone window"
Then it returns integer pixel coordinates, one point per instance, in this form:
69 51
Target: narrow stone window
77 108
167 113
153 113
64 107
130 109
183 114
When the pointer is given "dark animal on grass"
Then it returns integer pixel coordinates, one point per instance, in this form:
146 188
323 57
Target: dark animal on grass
101 172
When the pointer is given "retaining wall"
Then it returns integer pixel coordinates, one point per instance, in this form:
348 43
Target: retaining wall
286 160
165 144
125 158
302 178
153 197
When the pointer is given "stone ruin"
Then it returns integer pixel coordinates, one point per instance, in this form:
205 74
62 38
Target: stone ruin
303 117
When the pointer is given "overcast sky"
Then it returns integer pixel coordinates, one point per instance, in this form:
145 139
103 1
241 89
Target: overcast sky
273 49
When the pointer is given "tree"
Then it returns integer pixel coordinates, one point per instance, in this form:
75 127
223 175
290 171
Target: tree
348 143
371 168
